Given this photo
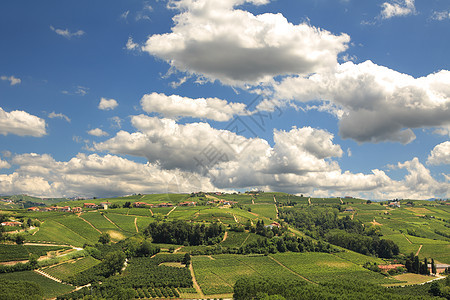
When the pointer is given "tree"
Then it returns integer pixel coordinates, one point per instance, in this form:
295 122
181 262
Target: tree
113 262
435 289
29 222
20 239
433 266
105 238
187 259
416 265
33 261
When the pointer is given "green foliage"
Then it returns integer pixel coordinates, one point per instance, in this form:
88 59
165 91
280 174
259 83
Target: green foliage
105 238
16 290
252 287
48 287
22 252
180 232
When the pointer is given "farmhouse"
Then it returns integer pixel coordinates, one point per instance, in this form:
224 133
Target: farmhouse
440 268
141 204
273 224
90 205
349 209
64 208
165 205
11 224
187 203
104 205
33 209
77 209
394 204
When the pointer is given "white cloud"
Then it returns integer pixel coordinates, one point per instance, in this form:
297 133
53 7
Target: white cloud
379 104
125 14
93 175
397 8
174 106
116 122
107 104
78 90
58 115
213 40
12 80
132 45
440 155
443 130
440 15
66 33
21 123
4 164
301 160
97 132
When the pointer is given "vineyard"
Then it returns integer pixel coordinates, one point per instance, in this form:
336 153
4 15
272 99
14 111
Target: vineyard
66 270
225 243
22 252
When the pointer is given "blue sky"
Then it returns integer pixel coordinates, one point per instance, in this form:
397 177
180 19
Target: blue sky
316 97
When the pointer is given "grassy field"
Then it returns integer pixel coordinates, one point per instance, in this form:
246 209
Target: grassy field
357 258
320 267
126 223
51 288
265 210
408 279
217 274
65 270
55 232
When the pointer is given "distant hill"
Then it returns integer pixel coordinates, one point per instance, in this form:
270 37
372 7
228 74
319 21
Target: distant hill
25 201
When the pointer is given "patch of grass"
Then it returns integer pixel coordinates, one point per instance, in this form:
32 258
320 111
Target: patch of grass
410 278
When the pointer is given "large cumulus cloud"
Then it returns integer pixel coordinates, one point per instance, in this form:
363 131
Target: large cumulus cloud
214 40
21 123
380 104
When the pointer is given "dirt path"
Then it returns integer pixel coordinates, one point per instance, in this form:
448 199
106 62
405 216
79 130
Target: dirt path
225 236
235 219
48 276
420 248
151 211
353 215
178 249
375 223
245 240
293 272
111 222
135 224
253 202
35 231
342 202
196 286
407 238
309 201
276 208
58 245
171 210
90 224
